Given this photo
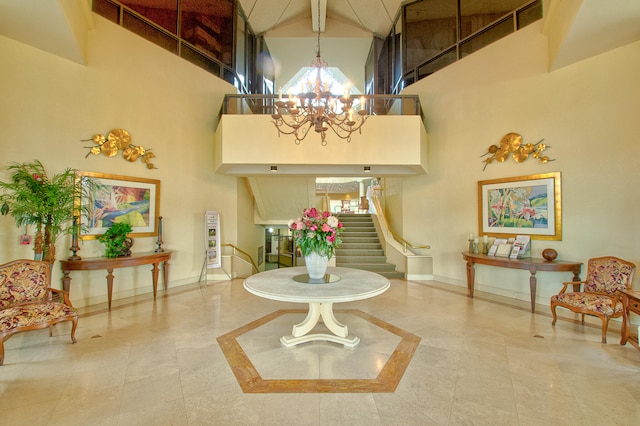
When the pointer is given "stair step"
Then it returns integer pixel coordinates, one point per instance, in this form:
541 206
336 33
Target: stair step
359 246
363 259
374 267
357 236
359 252
353 216
392 274
361 240
360 225
361 233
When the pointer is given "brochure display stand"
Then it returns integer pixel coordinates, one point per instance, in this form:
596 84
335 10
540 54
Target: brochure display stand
212 242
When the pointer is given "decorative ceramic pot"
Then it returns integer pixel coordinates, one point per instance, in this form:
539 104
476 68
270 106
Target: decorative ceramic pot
316 265
549 254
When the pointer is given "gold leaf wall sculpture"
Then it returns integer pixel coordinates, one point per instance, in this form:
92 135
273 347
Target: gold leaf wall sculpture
116 141
511 145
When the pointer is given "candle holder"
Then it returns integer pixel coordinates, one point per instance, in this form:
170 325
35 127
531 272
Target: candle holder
74 240
159 243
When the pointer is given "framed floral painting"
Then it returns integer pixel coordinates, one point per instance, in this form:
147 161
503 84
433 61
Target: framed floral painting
523 205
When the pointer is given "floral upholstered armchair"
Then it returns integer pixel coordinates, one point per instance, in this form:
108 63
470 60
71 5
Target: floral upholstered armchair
26 301
599 296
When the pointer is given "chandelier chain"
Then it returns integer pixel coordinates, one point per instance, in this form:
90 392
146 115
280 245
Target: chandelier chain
318 109
318 54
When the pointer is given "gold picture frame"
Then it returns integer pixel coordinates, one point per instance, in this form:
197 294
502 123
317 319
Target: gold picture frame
109 198
523 205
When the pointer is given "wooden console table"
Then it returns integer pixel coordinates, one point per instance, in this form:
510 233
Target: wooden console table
97 263
631 302
533 265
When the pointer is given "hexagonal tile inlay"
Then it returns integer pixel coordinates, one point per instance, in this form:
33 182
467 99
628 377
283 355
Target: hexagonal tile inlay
251 382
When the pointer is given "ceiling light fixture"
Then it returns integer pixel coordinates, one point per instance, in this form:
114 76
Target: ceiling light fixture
367 169
274 169
318 108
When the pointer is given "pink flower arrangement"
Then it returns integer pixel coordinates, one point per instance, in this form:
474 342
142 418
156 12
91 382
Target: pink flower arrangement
316 232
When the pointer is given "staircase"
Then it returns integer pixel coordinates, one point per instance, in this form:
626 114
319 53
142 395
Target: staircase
361 248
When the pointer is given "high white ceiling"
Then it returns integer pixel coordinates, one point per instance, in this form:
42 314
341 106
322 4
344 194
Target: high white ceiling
374 16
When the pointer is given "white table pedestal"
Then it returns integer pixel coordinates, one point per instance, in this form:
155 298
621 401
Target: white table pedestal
344 285
319 311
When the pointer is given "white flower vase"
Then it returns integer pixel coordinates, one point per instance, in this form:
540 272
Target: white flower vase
316 265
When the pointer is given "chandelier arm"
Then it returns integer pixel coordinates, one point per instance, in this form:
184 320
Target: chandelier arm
304 131
344 125
345 132
285 131
293 120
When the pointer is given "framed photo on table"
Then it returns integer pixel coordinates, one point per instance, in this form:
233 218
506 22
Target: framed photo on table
109 199
523 205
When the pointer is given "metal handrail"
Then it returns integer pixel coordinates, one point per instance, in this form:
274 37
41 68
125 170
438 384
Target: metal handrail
406 243
374 104
236 249
396 237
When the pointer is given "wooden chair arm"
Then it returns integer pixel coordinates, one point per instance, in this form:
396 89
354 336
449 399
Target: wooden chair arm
62 295
615 297
566 284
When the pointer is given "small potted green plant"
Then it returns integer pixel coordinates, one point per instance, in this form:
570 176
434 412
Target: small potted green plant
116 241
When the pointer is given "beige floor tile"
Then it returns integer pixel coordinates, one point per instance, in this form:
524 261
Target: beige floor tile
481 361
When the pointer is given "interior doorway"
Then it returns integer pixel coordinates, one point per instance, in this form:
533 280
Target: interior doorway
279 249
347 194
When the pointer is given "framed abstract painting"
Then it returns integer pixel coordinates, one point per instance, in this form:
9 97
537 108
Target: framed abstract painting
109 199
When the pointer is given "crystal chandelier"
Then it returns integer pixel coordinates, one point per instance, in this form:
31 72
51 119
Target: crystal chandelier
318 108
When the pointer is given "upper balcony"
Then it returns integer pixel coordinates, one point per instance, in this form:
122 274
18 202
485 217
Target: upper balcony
392 141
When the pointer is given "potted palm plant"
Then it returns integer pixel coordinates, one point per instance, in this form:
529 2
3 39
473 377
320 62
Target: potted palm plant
32 197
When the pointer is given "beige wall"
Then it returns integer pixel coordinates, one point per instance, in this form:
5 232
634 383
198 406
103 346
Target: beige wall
49 104
250 236
587 113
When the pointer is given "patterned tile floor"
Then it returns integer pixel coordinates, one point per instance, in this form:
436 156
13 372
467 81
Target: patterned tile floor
484 361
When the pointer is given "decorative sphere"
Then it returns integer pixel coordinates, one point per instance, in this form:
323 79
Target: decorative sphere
549 254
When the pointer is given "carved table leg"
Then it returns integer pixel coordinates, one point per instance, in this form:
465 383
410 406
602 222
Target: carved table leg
626 326
66 281
532 286
154 275
471 277
110 285
576 277
165 272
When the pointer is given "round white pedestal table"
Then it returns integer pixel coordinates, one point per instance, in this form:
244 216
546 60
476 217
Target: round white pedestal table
339 285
